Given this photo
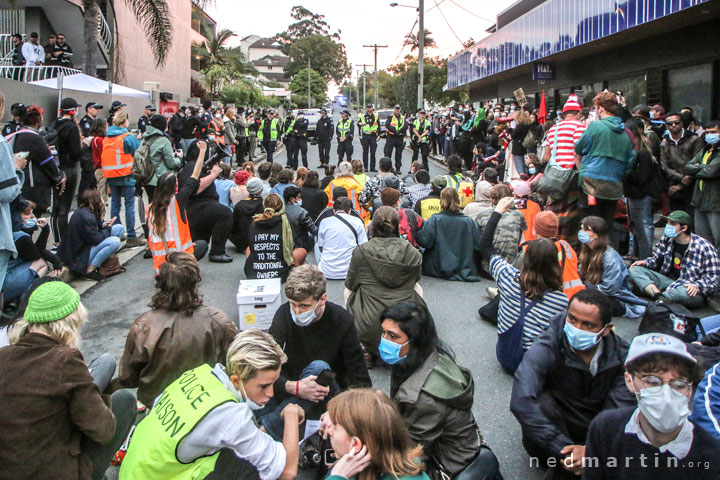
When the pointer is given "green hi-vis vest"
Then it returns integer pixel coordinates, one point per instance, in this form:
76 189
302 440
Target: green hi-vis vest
274 130
421 128
368 129
290 127
153 449
344 127
429 207
398 125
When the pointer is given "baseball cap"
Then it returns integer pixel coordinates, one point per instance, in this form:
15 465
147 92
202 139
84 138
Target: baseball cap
439 182
68 103
520 188
650 343
93 105
679 216
118 104
150 107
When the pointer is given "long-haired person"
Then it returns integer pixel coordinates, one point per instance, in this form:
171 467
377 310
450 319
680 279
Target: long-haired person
178 334
383 271
528 297
168 229
270 242
55 421
370 439
98 130
217 437
433 393
89 240
603 267
450 240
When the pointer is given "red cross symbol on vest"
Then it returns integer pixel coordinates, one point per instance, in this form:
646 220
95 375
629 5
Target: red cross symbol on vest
467 191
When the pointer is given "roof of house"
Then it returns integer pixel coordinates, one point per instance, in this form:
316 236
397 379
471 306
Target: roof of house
275 76
271 61
265 43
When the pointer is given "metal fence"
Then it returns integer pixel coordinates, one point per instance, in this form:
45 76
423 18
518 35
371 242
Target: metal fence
34 74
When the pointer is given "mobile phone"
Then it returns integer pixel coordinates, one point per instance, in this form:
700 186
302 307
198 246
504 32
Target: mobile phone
325 378
519 203
22 154
330 457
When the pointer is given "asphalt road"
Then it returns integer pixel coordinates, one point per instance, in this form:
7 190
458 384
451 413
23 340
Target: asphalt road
114 305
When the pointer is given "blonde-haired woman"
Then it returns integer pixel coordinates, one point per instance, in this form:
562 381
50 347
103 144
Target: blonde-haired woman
344 177
270 252
370 438
217 437
517 167
54 420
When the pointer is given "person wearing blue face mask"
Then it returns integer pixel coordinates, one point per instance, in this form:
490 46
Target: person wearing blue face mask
570 374
433 393
705 169
685 267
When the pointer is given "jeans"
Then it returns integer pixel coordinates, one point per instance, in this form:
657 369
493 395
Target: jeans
642 277
17 280
4 259
602 208
440 144
102 251
270 417
711 324
519 162
707 225
642 225
127 192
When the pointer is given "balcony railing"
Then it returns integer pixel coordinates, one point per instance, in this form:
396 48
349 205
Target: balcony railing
12 21
105 35
33 74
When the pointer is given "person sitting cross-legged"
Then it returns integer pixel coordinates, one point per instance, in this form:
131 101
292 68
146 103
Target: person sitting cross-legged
685 267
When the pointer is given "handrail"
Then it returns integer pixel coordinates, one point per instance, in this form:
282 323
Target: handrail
104 32
34 73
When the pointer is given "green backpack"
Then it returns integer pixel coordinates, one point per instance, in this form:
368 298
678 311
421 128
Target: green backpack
143 169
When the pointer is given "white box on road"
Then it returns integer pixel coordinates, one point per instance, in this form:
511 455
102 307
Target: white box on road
257 301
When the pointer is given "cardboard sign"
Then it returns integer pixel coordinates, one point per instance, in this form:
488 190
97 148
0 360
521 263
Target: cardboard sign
520 97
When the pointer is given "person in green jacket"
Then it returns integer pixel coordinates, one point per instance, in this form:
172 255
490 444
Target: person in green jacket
450 240
705 168
370 439
162 154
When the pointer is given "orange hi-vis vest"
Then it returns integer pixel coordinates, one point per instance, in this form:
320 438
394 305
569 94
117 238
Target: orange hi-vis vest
177 235
352 195
529 213
568 260
115 163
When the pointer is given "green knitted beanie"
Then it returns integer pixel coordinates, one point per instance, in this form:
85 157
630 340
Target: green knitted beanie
50 302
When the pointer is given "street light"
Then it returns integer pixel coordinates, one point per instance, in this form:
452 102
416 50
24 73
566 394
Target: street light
421 47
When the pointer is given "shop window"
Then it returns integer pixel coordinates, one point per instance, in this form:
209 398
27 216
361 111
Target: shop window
634 89
691 87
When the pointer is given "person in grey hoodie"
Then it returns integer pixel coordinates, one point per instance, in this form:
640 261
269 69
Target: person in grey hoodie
383 271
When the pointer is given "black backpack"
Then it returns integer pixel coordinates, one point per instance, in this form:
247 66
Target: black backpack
670 319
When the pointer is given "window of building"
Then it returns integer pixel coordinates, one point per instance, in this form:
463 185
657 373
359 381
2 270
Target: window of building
691 87
634 89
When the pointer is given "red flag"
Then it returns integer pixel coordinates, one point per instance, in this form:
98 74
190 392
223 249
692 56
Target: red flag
542 112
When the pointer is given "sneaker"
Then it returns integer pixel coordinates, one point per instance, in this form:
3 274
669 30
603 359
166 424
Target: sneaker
94 275
492 292
135 242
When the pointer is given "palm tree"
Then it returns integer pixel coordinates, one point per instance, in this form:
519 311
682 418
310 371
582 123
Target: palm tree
412 40
212 51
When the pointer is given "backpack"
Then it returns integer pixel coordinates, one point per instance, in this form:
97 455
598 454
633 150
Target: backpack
670 319
143 169
464 187
529 140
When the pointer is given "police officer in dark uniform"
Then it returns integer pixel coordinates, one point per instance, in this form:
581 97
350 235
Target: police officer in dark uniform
369 124
420 134
92 110
345 134
14 124
116 107
299 135
395 131
145 119
287 137
323 133
87 166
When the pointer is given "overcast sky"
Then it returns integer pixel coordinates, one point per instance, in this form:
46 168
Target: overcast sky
367 22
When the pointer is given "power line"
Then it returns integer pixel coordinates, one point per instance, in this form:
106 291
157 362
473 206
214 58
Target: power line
471 13
448 23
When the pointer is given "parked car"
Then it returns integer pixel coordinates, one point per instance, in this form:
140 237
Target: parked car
382 117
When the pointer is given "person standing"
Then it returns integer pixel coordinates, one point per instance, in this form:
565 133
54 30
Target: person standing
115 108
16 110
421 138
145 119
345 134
299 135
49 59
288 138
69 151
323 133
677 148
33 52
604 157
368 124
241 133
176 127
269 134
705 169
395 137
87 167
62 52
17 57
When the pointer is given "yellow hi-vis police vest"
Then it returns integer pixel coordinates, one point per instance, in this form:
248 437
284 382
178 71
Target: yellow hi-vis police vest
344 127
369 128
274 130
420 128
183 404
394 123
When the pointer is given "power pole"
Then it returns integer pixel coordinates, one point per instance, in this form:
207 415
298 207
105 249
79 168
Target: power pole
309 95
421 53
364 82
375 48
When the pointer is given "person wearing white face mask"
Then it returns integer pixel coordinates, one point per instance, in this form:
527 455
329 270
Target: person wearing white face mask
656 438
570 374
685 267
705 169
213 434
316 335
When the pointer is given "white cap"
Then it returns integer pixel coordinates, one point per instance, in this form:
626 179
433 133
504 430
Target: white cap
650 343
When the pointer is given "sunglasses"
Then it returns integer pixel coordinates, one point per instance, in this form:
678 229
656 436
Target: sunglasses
673 123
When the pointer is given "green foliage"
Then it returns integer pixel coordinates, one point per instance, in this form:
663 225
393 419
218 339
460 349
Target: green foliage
413 41
242 92
299 88
308 24
326 56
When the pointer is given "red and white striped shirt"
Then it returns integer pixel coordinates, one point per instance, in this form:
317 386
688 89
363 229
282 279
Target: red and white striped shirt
570 133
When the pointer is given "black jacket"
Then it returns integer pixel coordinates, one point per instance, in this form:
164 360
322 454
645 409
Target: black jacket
41 172
300 128
190 124
242 218
176 125
265 238
68 143
84 231
324 129
551 366
301 224
314 201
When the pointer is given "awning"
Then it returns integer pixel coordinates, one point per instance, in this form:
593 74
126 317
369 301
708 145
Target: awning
86 83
